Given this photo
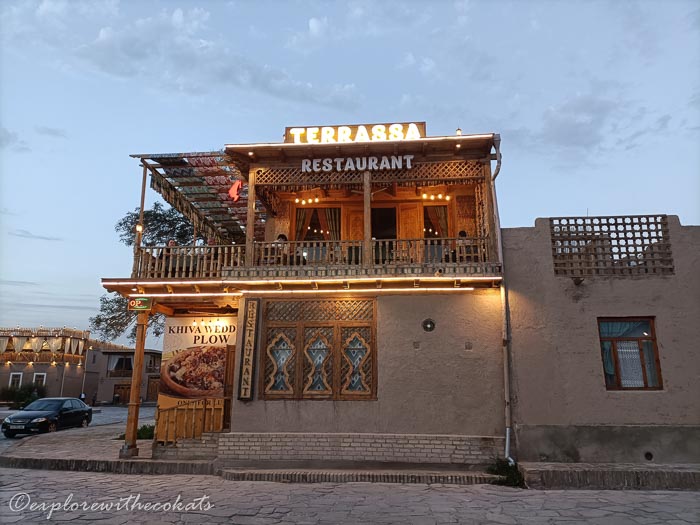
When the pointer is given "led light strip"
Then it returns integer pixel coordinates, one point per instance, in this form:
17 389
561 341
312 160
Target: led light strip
301 292
463 278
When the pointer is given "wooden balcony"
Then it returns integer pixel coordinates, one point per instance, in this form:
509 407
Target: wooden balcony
408 258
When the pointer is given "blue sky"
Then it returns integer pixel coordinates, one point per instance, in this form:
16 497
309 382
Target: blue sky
597 104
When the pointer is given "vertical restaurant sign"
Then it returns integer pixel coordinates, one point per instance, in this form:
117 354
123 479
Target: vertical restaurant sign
250 335
194 356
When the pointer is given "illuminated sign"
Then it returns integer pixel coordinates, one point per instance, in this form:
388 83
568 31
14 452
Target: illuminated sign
235 191
250 334
355 133
142 304
391 162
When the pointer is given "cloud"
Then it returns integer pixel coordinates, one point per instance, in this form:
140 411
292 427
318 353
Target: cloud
29 235
51 132
11 141
173 50
169 50
7 211
4 282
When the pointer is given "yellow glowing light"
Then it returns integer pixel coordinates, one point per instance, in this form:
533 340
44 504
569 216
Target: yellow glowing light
8 363
53 363
364 290
139 227
447 197
316 199
303 201
439 195
425 195
432 197
67 365
31 363
296 201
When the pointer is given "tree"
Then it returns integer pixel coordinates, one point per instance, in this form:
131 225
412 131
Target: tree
159 226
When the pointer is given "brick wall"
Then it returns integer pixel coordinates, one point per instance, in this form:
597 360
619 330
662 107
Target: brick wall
190 449
390 448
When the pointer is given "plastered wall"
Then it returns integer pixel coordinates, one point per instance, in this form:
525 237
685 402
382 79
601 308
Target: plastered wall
449 381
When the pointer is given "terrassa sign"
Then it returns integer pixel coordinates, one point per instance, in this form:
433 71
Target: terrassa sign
355 133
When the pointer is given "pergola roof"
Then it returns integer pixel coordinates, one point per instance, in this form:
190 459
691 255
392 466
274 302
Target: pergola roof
198 183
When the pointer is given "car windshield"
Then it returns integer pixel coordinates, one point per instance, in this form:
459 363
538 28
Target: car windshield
44 404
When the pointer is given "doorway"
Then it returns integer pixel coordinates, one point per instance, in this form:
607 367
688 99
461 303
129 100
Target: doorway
384 223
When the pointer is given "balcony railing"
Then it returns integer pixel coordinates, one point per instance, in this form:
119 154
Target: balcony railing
321 258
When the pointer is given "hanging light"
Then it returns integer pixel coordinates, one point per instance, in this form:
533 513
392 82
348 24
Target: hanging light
316 199
296 200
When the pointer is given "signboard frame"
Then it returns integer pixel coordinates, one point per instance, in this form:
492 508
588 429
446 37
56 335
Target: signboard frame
246 375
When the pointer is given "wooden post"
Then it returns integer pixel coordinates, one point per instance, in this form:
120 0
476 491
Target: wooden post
132 420
250 221
139 225
367 239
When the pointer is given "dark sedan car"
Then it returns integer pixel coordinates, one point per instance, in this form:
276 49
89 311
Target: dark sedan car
48 415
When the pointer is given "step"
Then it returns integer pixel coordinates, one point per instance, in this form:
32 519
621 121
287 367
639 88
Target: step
358 476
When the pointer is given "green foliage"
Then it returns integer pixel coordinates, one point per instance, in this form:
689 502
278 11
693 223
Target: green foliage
115 320
159 226
23 395
511 475
143 432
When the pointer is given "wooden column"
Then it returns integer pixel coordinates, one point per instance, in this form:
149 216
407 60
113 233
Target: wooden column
132 420
250 221
367 238
139 225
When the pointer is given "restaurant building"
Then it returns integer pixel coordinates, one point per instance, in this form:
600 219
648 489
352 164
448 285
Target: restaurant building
356 305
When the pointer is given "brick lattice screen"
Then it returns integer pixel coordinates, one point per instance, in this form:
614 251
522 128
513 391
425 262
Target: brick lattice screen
621 245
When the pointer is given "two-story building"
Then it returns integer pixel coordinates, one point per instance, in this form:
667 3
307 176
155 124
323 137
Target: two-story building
363 269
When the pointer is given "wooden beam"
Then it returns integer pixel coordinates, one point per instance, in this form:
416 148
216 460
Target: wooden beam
162 309
250 221
367 238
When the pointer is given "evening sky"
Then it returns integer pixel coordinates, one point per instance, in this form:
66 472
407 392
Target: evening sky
597 104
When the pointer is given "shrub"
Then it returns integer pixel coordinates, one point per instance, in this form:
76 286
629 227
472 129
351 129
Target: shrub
143 432
23 395
511 475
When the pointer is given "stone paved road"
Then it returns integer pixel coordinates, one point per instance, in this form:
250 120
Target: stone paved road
333 504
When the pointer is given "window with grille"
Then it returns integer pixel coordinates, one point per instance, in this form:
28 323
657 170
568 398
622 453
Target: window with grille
319 350
629 352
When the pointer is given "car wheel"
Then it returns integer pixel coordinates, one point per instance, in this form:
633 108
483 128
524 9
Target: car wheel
84 423
52 427
9 434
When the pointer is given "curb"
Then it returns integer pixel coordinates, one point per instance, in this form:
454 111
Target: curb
111 466
610 479
345 476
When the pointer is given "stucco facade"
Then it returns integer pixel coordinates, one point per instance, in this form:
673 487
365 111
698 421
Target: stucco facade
448 381
561 407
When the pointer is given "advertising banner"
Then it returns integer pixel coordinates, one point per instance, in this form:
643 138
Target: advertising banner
196 370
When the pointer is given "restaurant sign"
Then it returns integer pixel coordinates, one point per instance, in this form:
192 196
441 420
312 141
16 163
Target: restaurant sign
250 334
355 133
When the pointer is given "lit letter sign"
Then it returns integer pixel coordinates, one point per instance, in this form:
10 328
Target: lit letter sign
140 304
391 162
355 133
